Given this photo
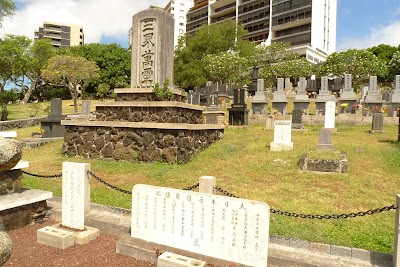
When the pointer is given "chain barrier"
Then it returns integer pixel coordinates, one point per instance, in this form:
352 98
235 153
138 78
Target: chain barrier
42 176
316 216
108 184
190 188
226 193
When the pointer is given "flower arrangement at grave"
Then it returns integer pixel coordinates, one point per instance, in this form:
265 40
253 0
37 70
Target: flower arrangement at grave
274 111
357 106
343 106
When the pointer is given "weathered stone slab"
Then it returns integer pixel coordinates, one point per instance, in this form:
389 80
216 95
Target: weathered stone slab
231 229
168 259
282 136
55 237
75 194
26 197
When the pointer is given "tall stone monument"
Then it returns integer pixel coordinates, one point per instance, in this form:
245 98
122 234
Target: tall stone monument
301 100
373 100
395 103
152 48
279 100
348 96
324 95
259 100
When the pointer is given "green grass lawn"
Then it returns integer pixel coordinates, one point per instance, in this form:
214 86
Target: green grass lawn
245 167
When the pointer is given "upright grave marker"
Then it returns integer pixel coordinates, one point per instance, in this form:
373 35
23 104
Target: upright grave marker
282 136
238 112
348 96
279 101
52 124
232 229
330 110
377 123
259 100
395 101
75 203
301 100
373 100
325 140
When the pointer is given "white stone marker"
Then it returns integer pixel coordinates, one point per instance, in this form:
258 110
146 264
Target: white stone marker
282 136
10 134
231 229
75 194
330 109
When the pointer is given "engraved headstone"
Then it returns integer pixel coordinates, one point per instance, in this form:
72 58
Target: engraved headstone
238 98
85 108
55 108
348 92
288 84
259 99
373 93
52 124
377 123
282 136
279 95
325 140
194 98
297 118
152 48
75 194
396 91
330 110
337 84
232 229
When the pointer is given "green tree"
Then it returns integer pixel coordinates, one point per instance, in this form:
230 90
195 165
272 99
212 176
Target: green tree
278 60
359 63
36 57
394 65
113 61
70 72
189 67
7 9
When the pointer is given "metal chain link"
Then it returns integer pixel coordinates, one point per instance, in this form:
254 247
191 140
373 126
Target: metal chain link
190 188
42 176
316 216
108 184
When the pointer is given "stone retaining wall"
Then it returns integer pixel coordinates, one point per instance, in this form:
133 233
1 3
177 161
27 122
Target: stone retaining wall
137 144
6 125
149 114
146 97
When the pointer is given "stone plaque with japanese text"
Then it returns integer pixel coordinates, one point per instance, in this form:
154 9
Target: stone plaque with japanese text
75 194
152 48
282 131
231 229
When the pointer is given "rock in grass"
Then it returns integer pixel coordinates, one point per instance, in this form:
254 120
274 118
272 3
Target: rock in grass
10 153
5 245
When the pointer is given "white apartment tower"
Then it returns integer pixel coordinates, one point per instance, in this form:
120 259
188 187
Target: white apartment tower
60 34
179 9
309 25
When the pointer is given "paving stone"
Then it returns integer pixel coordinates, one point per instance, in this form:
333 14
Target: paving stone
321 248
340 251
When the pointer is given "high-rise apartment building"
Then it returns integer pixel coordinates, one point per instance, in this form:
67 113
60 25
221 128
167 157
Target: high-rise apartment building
309 25
61 34
179 9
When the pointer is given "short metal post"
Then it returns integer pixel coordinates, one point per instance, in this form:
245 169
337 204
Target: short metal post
396 256
207 184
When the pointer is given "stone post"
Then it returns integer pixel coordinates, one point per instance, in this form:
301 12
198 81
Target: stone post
396 258
207 184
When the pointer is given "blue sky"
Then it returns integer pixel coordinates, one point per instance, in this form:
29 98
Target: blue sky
360 23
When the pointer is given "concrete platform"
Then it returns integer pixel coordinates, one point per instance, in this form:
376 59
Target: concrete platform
26 197
60 237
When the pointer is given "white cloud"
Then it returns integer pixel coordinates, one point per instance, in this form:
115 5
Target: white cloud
97 17
383 34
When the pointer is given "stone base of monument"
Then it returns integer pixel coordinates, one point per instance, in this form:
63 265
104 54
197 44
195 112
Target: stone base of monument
309 163
35 142
61 237
376 131
168 259
149 251
281 146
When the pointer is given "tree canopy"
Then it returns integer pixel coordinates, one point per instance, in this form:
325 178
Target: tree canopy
114 63
214 42
7 9
359 63
71 72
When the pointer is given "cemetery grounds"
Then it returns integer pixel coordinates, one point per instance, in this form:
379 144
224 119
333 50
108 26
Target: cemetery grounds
244 167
